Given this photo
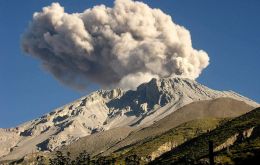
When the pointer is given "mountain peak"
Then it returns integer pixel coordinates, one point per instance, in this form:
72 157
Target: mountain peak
106 109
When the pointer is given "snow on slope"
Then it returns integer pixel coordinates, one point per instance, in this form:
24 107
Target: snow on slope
103 110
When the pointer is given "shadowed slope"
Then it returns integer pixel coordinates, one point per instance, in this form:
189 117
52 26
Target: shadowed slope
242 134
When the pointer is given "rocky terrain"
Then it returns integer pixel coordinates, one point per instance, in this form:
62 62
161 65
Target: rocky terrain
108 110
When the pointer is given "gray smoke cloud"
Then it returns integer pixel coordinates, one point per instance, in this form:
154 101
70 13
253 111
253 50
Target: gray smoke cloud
122 46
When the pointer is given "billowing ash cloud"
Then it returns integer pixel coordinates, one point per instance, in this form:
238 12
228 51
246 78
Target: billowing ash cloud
121 46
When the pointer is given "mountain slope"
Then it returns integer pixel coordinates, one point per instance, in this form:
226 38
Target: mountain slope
99 142
241 134
216 108
152 141
104 110
152 147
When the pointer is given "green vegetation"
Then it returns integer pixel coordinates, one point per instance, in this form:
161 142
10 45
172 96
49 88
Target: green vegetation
147 149
197 149
246 152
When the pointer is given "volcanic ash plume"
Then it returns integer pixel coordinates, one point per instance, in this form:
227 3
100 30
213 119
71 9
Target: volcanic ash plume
121 46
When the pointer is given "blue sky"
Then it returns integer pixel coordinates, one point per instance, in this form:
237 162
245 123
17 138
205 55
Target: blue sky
227 30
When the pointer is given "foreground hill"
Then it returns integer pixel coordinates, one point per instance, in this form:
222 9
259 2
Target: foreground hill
150 148
235 142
